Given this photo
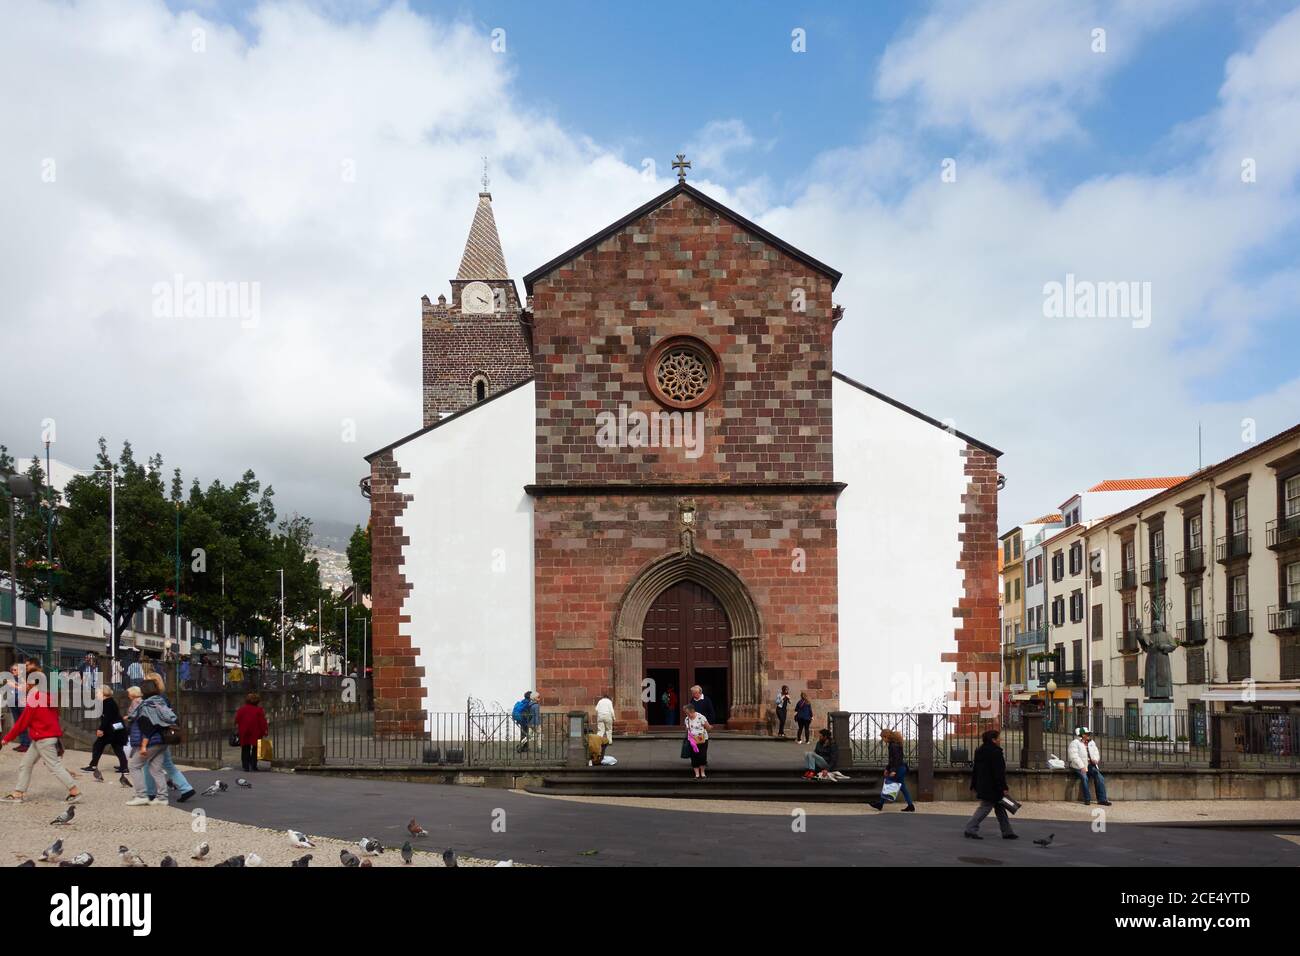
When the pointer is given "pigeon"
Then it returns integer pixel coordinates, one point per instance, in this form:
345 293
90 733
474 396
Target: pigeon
241 782
299 839
348 859
233 861
64 818
252 860
168 861
415 829
214 788
302 860
366 863
99 777
449 858
1047 842
170 785
369 846
505 863
123 782
407 852
81 859
52 852
129 857
27 863
200 852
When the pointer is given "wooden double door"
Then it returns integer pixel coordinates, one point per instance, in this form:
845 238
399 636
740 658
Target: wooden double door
686 639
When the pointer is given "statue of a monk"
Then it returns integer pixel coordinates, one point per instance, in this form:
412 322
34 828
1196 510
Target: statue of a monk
1159 676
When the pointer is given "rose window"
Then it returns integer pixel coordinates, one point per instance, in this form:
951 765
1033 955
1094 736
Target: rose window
683 372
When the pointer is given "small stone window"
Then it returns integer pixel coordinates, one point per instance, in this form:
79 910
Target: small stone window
683 372
478 388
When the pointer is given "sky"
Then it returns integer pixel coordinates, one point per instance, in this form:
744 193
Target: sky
953 160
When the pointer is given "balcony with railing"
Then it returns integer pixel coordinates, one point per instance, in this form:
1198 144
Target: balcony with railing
1027 639
1065 678
1233 625
1283 533
1284 619
1191 633
1127 639
1126 580
1232 547
1191 561
1155 570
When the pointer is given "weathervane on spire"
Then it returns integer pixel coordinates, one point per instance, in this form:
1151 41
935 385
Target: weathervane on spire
681 165
485 175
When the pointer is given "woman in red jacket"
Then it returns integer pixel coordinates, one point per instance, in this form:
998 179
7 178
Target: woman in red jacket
250 721
41 721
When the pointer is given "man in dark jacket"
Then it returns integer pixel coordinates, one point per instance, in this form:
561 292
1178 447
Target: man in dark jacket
988 779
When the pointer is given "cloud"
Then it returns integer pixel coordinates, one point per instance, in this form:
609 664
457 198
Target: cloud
1015 71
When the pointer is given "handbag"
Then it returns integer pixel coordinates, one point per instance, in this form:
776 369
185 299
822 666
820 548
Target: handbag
1008 804
172 736
265 750
234 738
889 792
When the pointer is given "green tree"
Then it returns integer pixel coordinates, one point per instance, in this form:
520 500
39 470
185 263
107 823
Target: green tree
359 558
81 539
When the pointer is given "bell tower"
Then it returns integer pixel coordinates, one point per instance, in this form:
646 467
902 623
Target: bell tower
479 343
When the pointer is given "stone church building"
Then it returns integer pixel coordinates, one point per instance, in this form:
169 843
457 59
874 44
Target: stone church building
648 474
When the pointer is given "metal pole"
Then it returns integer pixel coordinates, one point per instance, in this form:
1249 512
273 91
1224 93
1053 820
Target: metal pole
282 620
49 555
320 633
365 646
222 659
176 602
13 577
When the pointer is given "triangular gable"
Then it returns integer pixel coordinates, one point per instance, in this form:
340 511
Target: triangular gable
664 197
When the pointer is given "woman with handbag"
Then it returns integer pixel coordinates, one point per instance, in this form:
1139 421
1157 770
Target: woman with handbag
250 723
174 777
895 772
696 745
152 714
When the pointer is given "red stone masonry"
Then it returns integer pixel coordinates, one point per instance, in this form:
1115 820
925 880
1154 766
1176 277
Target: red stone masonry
979 626
588 549
398 690
684 268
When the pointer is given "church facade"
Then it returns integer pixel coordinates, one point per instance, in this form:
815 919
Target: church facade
651 476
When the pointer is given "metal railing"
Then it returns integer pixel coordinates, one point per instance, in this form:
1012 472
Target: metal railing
1191 633
1233 624
1153 571
1284 618
1126 580
1191 561
1282 532
1231 546
1127 639
1031 638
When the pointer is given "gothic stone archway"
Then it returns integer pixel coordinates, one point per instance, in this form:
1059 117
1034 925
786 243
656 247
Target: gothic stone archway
745 664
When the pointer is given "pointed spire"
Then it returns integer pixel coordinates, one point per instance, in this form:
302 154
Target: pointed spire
483 257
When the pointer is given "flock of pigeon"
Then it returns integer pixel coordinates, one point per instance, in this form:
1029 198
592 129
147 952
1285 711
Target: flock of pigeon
130 858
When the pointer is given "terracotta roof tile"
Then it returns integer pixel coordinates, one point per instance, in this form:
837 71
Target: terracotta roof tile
1048 519
1137 484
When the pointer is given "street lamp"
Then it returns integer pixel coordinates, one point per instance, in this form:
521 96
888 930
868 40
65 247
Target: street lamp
1051 700
15 486
111 471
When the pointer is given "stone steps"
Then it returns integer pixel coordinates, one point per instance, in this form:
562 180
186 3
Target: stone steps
722 785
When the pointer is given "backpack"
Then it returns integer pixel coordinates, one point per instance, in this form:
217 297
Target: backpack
521 708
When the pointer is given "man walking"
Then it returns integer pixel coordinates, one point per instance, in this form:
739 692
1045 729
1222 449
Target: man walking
1085 759
988 779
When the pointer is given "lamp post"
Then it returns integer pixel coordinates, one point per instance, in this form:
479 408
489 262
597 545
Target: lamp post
1051 701
111 471
50 666
15 486
280 571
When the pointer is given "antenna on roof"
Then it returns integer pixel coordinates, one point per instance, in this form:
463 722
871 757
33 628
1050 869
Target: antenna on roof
1198 446
485 175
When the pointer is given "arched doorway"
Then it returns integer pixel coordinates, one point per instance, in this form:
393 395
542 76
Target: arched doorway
686 639
740 660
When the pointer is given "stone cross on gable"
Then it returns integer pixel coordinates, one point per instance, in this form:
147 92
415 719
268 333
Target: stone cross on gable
681 165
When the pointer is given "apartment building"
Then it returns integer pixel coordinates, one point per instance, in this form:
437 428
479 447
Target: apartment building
1215 561
1013 609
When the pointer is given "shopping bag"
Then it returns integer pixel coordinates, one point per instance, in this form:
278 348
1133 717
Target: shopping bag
686 748
1008 804
264 749
889 792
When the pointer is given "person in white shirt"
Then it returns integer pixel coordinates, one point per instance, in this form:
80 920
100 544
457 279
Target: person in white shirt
1085 760
605 720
